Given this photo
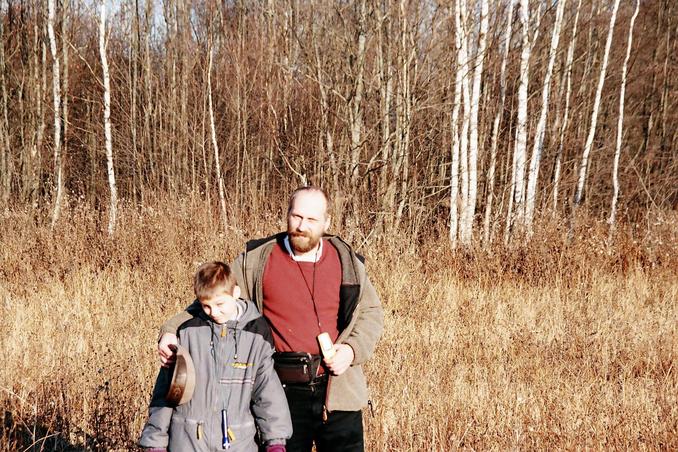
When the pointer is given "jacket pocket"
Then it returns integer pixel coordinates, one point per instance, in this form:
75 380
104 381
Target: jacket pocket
245 433
187 434
348 391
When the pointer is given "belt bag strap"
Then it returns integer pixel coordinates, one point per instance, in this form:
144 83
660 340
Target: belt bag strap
296 367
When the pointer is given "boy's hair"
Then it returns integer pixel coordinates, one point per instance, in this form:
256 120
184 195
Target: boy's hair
213 278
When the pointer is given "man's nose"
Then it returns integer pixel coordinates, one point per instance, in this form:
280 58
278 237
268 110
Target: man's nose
303 225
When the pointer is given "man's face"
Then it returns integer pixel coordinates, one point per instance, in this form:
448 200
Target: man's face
307 221
221 307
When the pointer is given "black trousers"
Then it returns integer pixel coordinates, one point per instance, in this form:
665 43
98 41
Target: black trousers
342 432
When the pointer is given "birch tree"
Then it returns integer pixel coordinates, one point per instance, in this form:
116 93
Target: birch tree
496 123
385 70
40 82
56 95
455 148
408 68
462 19
5 156
134 51
620 123
356 107
520 148
459 136
64 54
566 114
213 134
583 165
107 122
148 142
470 205
541 125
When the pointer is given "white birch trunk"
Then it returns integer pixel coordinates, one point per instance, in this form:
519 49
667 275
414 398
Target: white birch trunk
213 133
385 69
454 171
148 142
40 82
404 110
56 94
495 126
462 56
5 155
470 205
620 123
509 211
566 113
134 77
459 196
579 195
356 112
541 125
107 122
64 94
520 147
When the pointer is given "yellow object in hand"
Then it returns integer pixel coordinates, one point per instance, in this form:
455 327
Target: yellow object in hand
326 345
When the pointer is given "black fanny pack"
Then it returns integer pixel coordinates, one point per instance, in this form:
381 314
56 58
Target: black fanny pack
296 367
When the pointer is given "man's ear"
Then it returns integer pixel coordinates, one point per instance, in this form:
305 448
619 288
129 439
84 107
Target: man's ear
327 224
236 292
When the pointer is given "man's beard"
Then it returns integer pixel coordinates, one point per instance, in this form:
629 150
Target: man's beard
302 242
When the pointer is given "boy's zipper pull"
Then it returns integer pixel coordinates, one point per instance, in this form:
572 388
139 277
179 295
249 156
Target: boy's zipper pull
225 437
235 340
369 403
223 330
198 432
324 414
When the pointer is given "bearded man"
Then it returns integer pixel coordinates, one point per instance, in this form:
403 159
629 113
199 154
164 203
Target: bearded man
305 283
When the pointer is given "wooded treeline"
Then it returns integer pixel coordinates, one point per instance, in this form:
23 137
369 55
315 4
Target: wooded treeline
509 108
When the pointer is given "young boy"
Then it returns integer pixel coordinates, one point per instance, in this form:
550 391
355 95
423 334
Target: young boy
231 347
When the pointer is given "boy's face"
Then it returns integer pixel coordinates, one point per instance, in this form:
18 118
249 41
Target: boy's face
221 307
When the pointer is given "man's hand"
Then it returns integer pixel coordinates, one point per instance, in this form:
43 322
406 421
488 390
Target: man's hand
167 355
342 359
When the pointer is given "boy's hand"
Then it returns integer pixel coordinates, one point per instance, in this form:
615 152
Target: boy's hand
342 359
167 355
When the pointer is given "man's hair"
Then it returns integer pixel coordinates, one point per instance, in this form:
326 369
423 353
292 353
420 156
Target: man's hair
213 278
310 188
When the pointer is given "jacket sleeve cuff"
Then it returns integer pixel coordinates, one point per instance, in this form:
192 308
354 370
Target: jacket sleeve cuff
358 358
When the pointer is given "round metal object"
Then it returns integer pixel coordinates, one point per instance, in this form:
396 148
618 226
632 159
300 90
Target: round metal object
183 378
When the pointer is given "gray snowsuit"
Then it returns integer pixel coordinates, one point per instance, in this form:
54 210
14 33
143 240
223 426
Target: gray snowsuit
234 372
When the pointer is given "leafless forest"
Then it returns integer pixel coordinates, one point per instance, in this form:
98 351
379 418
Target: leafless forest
508 167
510 109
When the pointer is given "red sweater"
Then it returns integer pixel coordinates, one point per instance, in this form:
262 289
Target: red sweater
289 294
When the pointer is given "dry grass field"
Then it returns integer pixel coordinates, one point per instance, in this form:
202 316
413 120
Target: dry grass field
553 346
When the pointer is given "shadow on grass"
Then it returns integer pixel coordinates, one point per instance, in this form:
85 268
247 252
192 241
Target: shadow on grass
22 435
46 423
